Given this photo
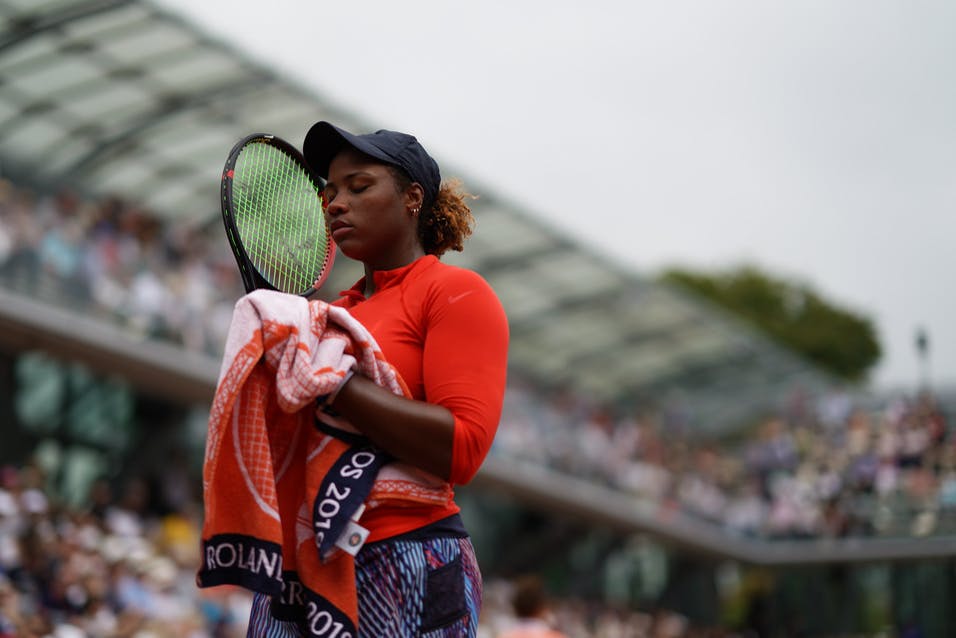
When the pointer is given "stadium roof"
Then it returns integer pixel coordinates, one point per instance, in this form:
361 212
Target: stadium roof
121 97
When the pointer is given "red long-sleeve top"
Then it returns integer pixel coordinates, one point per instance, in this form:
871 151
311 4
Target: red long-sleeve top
445 331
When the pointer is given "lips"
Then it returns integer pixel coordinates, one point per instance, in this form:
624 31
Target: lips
339 228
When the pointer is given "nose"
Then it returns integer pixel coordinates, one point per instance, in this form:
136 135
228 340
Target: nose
336 207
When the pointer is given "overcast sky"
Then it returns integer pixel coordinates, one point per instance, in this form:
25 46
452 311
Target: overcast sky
815 139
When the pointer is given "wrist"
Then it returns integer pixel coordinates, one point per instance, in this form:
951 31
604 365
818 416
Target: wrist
330 398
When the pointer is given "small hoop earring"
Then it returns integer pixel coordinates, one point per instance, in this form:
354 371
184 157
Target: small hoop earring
415 212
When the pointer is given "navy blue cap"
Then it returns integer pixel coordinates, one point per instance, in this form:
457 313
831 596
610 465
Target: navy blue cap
324 141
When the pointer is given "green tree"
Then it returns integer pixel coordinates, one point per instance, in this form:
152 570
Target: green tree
792 314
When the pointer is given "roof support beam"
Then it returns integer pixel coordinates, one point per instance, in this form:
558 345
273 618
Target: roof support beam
491 265
121 142
31 27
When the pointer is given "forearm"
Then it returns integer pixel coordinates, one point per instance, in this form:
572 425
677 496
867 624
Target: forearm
418 433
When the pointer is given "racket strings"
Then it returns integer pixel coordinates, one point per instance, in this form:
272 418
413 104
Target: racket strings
279 214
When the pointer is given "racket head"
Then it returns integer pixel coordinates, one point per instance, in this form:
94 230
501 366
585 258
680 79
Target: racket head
273 213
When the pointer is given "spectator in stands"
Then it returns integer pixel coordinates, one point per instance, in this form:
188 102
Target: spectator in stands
532 610
746 512
22 264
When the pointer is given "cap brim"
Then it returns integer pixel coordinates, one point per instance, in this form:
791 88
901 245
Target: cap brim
324 141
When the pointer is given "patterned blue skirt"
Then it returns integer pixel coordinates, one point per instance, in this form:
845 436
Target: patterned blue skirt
406 589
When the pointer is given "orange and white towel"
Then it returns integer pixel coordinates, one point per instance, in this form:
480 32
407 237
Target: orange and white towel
276 482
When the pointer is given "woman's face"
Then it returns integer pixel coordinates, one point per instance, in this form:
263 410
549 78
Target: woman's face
370 219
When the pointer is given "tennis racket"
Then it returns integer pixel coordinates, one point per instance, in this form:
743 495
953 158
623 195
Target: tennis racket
272 209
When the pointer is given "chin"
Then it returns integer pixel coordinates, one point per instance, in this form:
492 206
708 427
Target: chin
350 250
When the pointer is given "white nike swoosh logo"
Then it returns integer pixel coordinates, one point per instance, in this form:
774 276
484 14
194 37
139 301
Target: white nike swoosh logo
457 297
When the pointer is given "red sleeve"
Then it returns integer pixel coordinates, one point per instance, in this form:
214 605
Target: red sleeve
464 364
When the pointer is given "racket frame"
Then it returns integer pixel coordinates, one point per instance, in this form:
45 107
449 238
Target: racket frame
251 278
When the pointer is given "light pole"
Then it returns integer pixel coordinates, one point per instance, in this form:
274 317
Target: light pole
922 352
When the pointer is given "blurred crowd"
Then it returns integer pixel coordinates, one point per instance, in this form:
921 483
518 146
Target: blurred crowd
123 565
112 568
114 260
839 466
521 607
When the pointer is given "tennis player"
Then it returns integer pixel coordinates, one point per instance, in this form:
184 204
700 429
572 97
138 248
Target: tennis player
444 330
